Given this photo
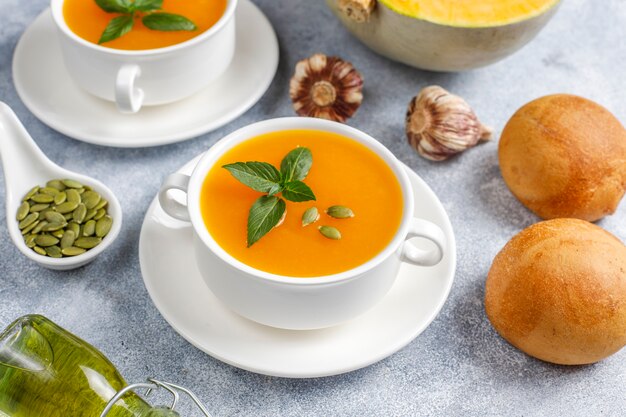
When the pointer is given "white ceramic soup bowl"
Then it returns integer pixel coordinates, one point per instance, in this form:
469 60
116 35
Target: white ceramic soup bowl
291 302
147 77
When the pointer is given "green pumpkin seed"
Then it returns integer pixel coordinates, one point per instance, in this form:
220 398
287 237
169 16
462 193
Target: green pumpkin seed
28 229
58 233
42 198
68 239
68 216
56 184
339 212
73 195
90 214
60 198
31 193
49 191
46 240
54 252
54 217
91 199
100 214
103 226
330 232
72 251
72 184
87 242
101 204
28 220
39 250
80 213
81 191
74 227
310 216
22 211
51 227
39 227
90 228
66 207
38 207
30 241
42 213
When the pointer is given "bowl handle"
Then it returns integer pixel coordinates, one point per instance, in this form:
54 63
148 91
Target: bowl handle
176 181
128 98
427 230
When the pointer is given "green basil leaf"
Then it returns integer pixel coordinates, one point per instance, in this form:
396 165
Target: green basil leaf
117 27
296 165
275 189
298 191
259 176
114 6
167 22
147 5
265 213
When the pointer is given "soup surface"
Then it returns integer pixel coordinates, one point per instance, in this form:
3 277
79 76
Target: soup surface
344 172
86 19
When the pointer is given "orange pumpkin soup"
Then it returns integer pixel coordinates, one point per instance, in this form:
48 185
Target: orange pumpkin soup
87 20
344 172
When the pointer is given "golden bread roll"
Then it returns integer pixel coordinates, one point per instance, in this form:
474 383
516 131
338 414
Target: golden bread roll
557 291
565 156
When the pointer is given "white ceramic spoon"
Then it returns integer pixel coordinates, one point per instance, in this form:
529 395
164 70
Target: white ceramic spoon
26 166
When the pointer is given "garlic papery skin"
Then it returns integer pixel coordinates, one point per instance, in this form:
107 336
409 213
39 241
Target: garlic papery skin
326 87
440 124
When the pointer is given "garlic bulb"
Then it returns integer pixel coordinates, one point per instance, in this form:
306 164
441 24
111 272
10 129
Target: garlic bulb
440 124
326 87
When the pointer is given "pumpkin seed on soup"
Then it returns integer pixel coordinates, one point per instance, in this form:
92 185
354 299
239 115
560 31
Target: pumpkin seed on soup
330 232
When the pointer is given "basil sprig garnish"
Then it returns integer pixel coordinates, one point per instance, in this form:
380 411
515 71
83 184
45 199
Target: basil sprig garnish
268 210
150 17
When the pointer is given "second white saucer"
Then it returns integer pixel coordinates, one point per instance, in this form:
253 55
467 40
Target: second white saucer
48 91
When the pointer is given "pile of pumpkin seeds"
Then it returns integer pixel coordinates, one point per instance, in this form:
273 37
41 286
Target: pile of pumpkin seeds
64 218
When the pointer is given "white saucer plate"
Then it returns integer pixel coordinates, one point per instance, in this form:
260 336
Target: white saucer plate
48 91
178 291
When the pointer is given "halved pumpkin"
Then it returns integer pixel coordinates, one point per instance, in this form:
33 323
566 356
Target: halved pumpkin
445 35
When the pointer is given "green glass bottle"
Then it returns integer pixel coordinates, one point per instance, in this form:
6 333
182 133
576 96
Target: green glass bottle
45 371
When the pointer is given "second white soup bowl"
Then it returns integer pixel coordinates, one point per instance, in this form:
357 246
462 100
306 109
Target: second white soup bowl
133 79
291 302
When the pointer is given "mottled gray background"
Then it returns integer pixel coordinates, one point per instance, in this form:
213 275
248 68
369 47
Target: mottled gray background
459 365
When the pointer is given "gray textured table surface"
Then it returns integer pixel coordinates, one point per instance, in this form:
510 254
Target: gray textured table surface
459 365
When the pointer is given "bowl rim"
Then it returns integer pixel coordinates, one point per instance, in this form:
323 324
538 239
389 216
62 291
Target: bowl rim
245 133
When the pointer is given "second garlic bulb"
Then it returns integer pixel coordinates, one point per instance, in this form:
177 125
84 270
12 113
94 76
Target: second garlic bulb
440 124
